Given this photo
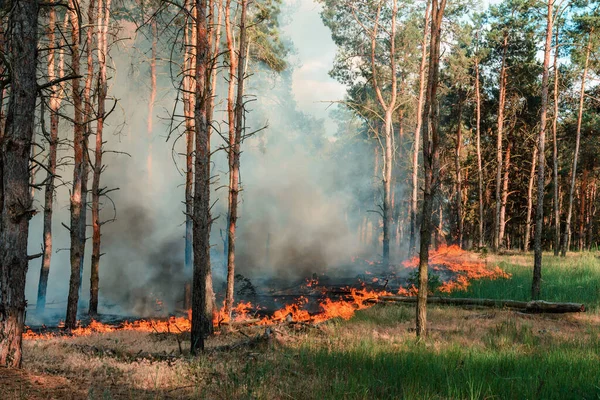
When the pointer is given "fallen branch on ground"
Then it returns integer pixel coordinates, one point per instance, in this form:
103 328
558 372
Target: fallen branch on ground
537 306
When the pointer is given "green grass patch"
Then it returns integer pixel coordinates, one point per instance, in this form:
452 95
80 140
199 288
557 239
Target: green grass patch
575 278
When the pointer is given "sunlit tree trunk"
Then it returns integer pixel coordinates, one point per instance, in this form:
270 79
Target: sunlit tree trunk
539 215
103 22
478 144
567 233
415 156
555 148
54 70
500 128
430 159
504 196
16 207
77 245
459 197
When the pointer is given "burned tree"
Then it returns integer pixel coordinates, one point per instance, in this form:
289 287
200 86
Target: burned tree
15 195
202 279
430 133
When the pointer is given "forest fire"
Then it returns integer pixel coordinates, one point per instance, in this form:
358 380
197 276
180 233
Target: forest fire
456 267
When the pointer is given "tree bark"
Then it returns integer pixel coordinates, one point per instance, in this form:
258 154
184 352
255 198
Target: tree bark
478 144
500 125
77 245
530 199
567 233
555 148
16 207
52 139
236 122
459 189
415 156
430 160
504 197
103 22
201 297
539 215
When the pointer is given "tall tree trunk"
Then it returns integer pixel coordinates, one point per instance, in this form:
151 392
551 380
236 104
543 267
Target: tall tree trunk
415 156
389 108
16 207
87 99
567 233
430 159
77 245
459 199
103 22
582 207
189 86
500 125
236 121
539 214
504 197
52 139
555 147
478 144
201 297
152 95
530 199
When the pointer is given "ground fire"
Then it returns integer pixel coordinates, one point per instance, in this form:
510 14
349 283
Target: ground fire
316 300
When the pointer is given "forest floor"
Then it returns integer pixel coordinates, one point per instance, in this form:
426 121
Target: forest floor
468 354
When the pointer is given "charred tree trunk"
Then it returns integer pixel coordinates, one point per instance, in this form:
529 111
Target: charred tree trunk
500 125
103 21
16 206
415 156
539 215
201 286
430 159
567 233
77 245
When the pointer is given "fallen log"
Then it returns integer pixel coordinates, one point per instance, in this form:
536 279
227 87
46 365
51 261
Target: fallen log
534 307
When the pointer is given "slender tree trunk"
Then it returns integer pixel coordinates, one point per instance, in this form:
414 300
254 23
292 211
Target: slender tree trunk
189 87
504 197
16 207
103 22
77 246
459 199
530 199
500 125
236 122
389 108
555 147
539 215
567 233
415 156
478 144
201 297
52 139
152 95
582 207
430 160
